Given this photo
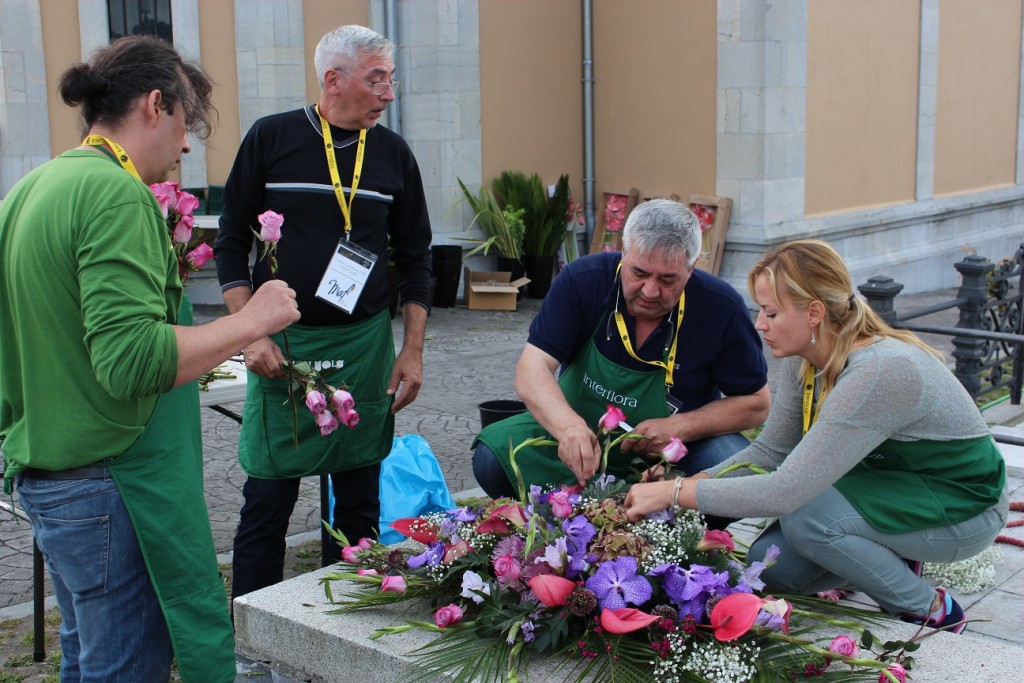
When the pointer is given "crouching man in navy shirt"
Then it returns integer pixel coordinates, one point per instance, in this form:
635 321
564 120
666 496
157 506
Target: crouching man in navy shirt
671 346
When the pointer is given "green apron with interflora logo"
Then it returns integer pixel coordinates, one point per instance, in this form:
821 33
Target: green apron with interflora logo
590 384
160 479
359 356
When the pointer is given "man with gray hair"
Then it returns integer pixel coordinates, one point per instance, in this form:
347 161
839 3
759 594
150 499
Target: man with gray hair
643 331
352 199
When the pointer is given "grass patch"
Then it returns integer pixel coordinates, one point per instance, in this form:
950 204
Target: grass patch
18 661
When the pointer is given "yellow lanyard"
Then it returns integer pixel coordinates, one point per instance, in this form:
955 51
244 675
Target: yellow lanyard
122 156
668 366
332 165
810 414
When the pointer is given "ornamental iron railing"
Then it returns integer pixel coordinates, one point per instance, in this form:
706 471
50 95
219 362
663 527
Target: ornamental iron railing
988 339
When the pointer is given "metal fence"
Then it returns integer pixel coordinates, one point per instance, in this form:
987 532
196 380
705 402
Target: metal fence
988 339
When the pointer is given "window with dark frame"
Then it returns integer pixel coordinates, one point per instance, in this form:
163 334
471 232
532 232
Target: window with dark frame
140 17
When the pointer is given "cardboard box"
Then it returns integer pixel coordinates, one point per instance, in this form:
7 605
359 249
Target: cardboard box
489 291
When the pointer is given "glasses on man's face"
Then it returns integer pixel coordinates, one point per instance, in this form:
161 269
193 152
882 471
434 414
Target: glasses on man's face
378 89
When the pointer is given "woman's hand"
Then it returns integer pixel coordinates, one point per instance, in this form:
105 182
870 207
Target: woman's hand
645 498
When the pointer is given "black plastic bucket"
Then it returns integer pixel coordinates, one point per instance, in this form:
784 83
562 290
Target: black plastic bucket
493 411
446 261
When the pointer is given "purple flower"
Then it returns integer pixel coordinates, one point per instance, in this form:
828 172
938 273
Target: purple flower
509 545
684 583
528 628
616 582
463 514
580 532
430 557
535 494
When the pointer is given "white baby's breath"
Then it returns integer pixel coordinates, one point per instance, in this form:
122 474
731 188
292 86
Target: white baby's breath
974 574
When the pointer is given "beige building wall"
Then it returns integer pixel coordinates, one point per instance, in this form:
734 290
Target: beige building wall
531 103
321 16
862 75
62 47
978 92
219 60
655 95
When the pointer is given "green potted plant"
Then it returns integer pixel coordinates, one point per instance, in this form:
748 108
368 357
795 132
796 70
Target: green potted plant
544 219
502 227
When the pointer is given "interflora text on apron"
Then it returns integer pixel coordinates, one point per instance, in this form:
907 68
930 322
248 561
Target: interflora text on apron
607 393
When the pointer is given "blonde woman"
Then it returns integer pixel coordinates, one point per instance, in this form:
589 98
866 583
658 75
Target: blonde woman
877 458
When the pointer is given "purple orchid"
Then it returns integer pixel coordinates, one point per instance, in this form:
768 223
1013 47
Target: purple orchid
463 514
431 556
616 583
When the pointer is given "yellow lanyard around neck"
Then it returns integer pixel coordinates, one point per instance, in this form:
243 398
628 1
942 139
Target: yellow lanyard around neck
670 364
332 166
121 155
810 414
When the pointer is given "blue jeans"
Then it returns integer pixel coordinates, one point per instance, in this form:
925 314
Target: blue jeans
827 544
112 628
700 456
259 548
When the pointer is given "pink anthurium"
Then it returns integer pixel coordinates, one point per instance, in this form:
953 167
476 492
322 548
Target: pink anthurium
716 540
551 590
625 620
734 614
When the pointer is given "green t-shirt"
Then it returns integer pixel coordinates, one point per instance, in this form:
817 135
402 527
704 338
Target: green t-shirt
88 285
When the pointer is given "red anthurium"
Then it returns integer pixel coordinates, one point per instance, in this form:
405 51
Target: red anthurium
416 528
625 620
716 540
734 614
494 525
454 552
551 590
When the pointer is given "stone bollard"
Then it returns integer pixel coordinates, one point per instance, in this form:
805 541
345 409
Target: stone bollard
970 352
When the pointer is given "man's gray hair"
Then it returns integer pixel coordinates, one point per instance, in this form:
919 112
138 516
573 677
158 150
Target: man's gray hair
342 47
665 226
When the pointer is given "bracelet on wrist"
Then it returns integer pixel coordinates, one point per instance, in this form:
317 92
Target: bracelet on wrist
675 494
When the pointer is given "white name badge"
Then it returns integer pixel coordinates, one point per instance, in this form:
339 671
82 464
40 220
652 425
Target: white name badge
346 276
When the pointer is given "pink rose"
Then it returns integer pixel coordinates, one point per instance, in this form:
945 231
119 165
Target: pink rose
844 645
674 451
365 543
198 257
343 400
187 203
716 540
164 201
560 506
349 418
506 569
896 670
350 554
448 615
366 572
326 422
270 226
183 230
316 402
395 584
611 418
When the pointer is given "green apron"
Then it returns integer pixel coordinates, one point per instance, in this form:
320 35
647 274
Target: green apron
360 356
590 384
160 479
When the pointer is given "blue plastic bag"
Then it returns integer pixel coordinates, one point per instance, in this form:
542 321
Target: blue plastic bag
411 484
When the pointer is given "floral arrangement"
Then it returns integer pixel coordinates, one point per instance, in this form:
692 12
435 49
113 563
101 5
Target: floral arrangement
178 208
567 575
303 378
705 215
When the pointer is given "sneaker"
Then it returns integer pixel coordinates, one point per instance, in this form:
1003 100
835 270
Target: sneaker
953 618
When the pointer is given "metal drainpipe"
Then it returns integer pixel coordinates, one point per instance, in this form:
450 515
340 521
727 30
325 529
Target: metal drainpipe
391 33
588 121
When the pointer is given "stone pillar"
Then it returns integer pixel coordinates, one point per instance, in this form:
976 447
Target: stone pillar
24 126
927 89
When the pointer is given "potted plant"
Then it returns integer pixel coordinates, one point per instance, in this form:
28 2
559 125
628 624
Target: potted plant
544 219
502 227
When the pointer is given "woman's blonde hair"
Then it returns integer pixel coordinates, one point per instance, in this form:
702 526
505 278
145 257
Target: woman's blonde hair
811 270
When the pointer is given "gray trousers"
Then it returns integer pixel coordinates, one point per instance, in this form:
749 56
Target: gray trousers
827 544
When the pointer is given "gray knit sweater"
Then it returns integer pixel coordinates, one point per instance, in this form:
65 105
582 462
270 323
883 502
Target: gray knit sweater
888 390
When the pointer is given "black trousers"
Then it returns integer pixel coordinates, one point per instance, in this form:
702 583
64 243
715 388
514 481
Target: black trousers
259 547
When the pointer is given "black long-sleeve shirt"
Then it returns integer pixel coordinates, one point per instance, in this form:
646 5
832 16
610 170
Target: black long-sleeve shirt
281 166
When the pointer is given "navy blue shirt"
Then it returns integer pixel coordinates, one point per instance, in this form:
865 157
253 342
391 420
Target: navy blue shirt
719 350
